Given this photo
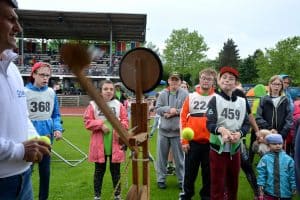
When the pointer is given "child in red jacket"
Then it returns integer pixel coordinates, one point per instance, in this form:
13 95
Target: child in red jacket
104 142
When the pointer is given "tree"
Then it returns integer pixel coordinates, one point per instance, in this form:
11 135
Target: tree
184 52
184 49
229 55
55 44
283 59
248 71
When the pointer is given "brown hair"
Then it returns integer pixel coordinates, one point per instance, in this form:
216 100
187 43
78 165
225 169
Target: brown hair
104 82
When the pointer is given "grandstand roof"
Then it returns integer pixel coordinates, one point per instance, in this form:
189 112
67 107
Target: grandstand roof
82 25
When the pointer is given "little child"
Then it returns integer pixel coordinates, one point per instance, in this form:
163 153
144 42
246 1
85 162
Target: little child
276 171
105 145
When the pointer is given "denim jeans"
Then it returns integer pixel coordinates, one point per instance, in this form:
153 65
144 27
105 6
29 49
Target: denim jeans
17 187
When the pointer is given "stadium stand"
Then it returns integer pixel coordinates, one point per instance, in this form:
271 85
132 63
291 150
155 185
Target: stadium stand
114 33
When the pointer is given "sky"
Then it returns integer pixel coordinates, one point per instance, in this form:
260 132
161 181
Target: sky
252 24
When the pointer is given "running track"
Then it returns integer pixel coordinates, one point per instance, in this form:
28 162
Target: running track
72 111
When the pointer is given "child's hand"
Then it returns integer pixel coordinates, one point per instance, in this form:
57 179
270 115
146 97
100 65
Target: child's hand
235 137
225 133
57 135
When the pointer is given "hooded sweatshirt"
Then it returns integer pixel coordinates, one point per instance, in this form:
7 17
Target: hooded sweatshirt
296 119
43 109
15 126
169 127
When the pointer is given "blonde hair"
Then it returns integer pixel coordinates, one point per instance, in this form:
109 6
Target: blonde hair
264 132
272 79
261 147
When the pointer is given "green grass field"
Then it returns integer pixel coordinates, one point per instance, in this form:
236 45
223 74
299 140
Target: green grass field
76 183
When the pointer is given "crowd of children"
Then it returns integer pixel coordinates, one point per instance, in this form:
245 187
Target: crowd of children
220 118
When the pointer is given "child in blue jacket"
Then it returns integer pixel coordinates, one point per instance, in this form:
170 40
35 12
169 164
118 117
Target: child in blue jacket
44 113
276 171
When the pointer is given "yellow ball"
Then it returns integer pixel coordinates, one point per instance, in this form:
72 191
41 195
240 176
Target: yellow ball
187 133
45 139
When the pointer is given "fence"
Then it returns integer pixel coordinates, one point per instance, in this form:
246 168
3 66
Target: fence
73 100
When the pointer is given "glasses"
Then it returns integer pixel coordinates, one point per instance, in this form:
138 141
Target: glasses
43 75
206 79
276 84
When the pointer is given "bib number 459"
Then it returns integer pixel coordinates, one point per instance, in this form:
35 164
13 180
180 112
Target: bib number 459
230 113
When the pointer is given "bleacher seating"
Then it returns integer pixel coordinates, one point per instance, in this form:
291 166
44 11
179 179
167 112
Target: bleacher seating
99 67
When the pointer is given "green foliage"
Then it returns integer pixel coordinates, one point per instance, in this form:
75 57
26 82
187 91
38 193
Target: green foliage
184 49
229 55
55 44
248 71
283 59
185 53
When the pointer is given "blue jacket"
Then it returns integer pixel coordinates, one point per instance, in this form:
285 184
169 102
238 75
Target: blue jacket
265 176
48 125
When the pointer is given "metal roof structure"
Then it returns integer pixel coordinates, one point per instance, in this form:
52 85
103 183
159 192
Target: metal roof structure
82 25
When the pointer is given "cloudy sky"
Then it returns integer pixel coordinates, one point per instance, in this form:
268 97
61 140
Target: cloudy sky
252 24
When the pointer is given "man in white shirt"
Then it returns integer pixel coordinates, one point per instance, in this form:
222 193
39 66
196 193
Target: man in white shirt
16 150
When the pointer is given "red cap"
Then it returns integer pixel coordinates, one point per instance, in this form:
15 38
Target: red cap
36 66
229 70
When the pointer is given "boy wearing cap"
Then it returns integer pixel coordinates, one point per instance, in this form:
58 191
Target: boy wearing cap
276 171
168 106
227 122
44 113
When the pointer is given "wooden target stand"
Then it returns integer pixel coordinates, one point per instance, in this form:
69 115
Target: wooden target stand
140 71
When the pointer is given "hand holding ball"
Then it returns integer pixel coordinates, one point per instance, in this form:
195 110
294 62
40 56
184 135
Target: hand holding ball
187 133
45 139
36 147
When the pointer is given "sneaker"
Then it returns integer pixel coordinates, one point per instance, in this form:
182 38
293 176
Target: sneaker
180 186
97 198
118 197
161 185
181 196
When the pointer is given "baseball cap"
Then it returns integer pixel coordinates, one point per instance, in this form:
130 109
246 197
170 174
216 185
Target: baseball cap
229 70
283 76
118 84
175 75
36 66
274 138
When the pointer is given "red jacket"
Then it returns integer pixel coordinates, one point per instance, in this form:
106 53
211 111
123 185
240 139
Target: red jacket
96 150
